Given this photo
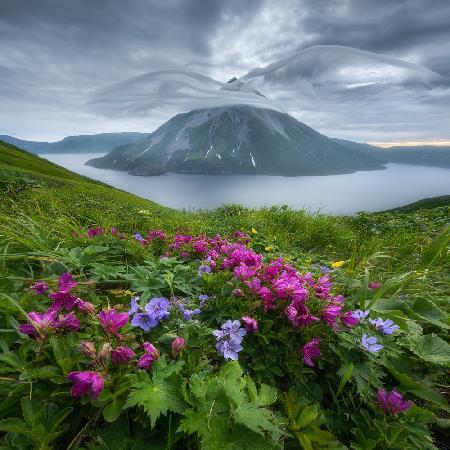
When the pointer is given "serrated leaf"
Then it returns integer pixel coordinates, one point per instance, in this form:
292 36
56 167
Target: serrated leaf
267 395
430 348
255 418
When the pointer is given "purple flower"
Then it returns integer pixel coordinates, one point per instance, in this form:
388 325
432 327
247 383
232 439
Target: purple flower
88 349
229 339
150 356
62 300
39 323
144 321
349 319
298 314
250 324
68 322
392 402
156 234
66 282
385 327
134 306
139 238
374 286
203 298
92 232
40 287
122 355
370 344
330 313
86 383
84 306
189 313
112 321
203 269
358 314
310 350
177 345
158 308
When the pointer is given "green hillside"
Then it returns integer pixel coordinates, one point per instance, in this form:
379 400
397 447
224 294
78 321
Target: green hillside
86 365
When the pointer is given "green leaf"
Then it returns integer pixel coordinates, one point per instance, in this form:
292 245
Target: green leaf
13 425
267 395
430 348
255 418
345 377
427 310
307 416
112 410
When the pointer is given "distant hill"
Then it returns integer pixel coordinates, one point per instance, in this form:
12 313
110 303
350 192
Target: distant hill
421 155
95 143
237 139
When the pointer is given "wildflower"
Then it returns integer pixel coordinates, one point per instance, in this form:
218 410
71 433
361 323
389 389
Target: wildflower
84 306
359 314
88 349
337 264
177 345
330 314
385 327
86 383
322 287
39 323
349 319
243 272
40 287
134 306
122 355
158 308
238 292
139 238
310 350
254 231
203 269
92 232
229 339
324 269
113 231
203 299
112 321
67 322
66 282
156 234
105 351
370 344
374 286
298 314
62 300
144 321
392 402
150 356
250 324
290 287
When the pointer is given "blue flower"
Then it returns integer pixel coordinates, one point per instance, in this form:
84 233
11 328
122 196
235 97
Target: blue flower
370 344
203 269
134 306
358 314
144 321
138 237
189 313
203 298
229 339
158 308
385 327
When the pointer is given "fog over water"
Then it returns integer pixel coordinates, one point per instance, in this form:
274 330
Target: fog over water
398 185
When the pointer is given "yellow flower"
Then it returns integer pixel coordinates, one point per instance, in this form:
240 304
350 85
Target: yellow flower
254 231
269 248
337 264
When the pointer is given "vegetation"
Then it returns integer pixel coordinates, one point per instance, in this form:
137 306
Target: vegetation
89 375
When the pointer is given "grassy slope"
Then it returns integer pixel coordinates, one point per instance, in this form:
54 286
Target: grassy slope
59 201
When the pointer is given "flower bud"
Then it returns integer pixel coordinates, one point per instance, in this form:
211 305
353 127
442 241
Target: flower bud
104 352
238 292
177 345
88 349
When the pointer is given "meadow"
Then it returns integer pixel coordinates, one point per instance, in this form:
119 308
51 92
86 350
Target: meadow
128 325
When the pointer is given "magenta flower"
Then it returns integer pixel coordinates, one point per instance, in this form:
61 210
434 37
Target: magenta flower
330 314
392 402
322 287
290 287
177 345
250 324
298 314
66 282
310 351
84 306
92 232
40 287
112 321
242 272
374 286
39 323
349 319
122 355
62 300
88 349
150 356
86 383
68 322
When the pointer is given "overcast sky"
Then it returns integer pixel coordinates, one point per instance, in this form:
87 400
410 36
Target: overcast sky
56 56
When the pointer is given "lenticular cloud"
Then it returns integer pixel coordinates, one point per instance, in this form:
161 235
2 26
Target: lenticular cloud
327 86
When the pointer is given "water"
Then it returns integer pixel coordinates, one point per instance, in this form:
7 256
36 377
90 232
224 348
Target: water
398 185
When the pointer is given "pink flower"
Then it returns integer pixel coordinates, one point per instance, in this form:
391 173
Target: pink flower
40 287
290 287
375 285
84 306
310 351
39 323
156 234
330 314
322 287
392 402
298 314
177 345
62 300
68 322
86 383
112 321
66 282
122 355
150 356
242 272
238 292
250 324
349 319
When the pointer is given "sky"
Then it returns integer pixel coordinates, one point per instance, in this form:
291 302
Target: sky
369 71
